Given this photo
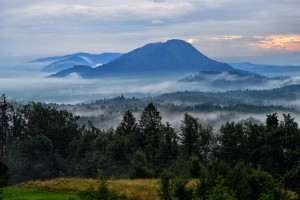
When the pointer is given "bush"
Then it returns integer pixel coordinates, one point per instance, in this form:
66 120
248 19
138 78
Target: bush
194 167
4 174
166 186
102 193
181 192
220 191
139 166
4 177
292 179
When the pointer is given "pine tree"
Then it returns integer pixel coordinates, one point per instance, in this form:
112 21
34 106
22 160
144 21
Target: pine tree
128 124
151 132
190 134
5 109
205 139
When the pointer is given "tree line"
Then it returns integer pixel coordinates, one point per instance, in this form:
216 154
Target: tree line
42 142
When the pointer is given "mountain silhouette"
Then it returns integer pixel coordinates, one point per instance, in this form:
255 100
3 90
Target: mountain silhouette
78 69
59 63
174 57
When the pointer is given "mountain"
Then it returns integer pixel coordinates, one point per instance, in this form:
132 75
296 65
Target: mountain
268 70
59 63
66 64
174 57
78 69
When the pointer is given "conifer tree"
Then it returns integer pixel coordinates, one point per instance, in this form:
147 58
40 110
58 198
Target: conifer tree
128 124
151 131
190 134
5 109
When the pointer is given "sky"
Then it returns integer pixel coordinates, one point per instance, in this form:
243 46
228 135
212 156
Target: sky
259 31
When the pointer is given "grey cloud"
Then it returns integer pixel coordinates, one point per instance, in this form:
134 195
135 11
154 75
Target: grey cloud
96 26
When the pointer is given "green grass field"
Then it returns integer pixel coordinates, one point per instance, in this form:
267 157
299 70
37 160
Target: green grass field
20 193
67 189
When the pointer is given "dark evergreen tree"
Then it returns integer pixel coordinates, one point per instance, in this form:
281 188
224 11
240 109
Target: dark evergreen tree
255 134
290 142
128 133
58 125
128 124
272 121
190 135
151 132
33 159
168 151
5 120
205 142
232 142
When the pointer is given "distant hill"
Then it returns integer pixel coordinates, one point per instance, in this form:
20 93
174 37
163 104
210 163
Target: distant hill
78 69
255 97
59 63
174 57
268 70
229 79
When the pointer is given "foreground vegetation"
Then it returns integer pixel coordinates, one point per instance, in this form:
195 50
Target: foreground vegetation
20 193
239 161
73 188
135 189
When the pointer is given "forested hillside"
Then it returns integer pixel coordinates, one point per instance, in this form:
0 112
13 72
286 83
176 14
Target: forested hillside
246 160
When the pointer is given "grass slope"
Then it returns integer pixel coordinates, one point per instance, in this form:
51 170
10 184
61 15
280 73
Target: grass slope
19 193
142 189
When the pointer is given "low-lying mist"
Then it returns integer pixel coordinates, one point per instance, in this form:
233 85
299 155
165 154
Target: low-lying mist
105 120
25 82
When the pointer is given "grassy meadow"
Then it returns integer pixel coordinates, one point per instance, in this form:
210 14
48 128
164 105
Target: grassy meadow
20 193
67 188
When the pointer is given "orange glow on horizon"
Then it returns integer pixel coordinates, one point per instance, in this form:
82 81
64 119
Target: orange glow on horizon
279 42
192 40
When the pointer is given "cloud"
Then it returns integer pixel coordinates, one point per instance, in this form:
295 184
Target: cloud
226 37
61 27
134 10
278 42
157 21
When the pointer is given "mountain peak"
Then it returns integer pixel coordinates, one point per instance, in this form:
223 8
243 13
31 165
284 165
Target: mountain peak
173 57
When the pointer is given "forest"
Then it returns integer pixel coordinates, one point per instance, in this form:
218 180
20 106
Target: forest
243 161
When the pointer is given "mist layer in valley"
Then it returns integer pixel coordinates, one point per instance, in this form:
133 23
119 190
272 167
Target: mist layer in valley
25 82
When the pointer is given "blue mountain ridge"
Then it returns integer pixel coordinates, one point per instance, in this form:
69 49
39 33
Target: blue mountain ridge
230 79
74 69
59 63
175 57
268 70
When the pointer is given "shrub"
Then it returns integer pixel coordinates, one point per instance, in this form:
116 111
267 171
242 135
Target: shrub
139 166
221 191
4 174
102 193
166 185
